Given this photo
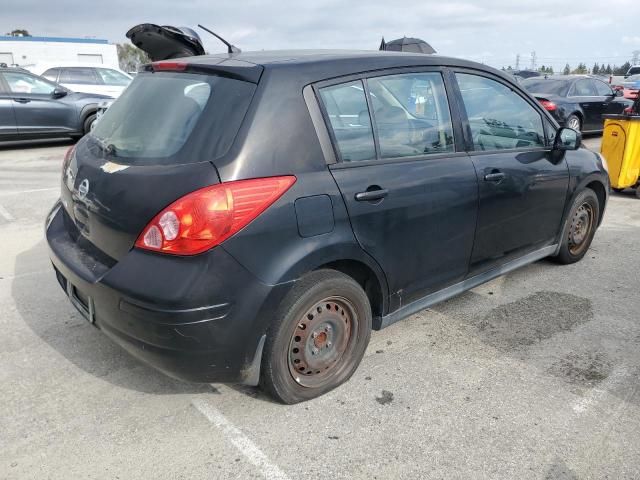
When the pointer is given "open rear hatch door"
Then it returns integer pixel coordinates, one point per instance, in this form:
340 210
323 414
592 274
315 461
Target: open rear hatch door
165 42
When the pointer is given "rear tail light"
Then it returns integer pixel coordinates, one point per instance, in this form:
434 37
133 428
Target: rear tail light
207 217
67 160
548 105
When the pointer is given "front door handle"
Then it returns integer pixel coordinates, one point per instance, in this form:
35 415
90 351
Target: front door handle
22 100
372 194
494 177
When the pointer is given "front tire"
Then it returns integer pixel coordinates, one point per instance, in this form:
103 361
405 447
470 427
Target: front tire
580 227
318 338
88 123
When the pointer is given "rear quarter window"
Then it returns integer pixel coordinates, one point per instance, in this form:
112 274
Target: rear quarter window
174 118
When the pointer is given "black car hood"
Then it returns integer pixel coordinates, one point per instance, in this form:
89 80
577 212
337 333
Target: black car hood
164 42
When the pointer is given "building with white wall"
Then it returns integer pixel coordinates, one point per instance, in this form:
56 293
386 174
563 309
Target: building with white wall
28 51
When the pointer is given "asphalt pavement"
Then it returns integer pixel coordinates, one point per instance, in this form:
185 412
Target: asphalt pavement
531 376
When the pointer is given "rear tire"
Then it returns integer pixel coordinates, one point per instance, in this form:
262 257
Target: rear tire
574 122
580 227
88 123
318 338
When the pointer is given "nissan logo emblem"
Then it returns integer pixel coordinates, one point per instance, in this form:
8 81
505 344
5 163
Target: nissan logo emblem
83 188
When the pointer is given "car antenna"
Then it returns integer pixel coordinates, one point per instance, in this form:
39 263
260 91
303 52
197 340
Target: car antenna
230 48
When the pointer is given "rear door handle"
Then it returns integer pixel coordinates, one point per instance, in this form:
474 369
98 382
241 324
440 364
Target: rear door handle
22 100
494 177
372 195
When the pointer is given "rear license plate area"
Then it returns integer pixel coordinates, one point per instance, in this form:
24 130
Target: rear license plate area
83 303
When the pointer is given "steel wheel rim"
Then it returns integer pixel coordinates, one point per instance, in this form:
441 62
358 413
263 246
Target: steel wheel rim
322 336
574 123
580 229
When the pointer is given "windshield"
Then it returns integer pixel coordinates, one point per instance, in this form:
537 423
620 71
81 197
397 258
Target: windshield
159 113
547 85
633 71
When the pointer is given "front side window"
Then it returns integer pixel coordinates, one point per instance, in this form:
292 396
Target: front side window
498 117
602 88
25 83
346 106
411 114
78 76
113 77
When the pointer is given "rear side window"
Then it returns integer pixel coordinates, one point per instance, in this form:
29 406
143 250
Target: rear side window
346 105
158 113
113 77
79 76
584 88
498 117
411 114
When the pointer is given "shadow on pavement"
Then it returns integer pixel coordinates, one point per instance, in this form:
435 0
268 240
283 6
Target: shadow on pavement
45 309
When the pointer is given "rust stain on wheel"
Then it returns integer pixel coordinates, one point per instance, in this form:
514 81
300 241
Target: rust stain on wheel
581 226
323 337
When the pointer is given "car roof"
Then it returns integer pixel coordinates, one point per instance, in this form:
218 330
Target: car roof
314 65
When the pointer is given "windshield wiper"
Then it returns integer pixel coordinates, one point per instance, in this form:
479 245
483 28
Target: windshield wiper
107 148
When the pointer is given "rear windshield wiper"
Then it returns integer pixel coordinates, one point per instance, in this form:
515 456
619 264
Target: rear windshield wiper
107 148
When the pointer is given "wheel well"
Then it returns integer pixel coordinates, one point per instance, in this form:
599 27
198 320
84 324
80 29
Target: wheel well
367 279
578 114
600 192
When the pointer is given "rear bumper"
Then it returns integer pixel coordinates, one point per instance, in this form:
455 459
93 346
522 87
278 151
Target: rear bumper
198 319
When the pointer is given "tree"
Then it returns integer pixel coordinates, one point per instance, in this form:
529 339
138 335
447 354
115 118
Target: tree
130 57
622 69
609 69
19 33
581 69
567 70
596 69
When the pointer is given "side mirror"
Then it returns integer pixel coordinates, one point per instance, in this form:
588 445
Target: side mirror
59 92
567 139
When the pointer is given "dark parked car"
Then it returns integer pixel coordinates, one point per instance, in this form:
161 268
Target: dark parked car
249 218
34 107
577 101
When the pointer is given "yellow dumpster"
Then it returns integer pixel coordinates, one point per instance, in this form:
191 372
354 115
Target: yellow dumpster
621 148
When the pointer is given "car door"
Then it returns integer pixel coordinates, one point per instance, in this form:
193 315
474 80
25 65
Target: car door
583 92
522 183
36 110
611 103
410 190
7 116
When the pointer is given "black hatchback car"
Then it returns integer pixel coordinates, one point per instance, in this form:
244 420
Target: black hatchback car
249 218
577 101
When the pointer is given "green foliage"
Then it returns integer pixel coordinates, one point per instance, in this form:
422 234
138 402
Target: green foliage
130 57
581 69
566 70
20 32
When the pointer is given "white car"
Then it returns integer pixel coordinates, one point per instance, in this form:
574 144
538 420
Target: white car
85 77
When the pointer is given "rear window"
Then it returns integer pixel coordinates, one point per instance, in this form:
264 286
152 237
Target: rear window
78 76
547 86
171 118
633 71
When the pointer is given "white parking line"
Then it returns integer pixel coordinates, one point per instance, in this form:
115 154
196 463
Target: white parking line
33 190
595 395
269 470
4 213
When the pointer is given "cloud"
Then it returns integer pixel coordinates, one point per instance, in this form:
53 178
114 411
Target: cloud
557 31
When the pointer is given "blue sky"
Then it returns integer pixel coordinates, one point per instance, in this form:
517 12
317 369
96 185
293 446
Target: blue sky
491 31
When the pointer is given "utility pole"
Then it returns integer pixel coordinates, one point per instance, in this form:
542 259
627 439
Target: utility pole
533 60
518 61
